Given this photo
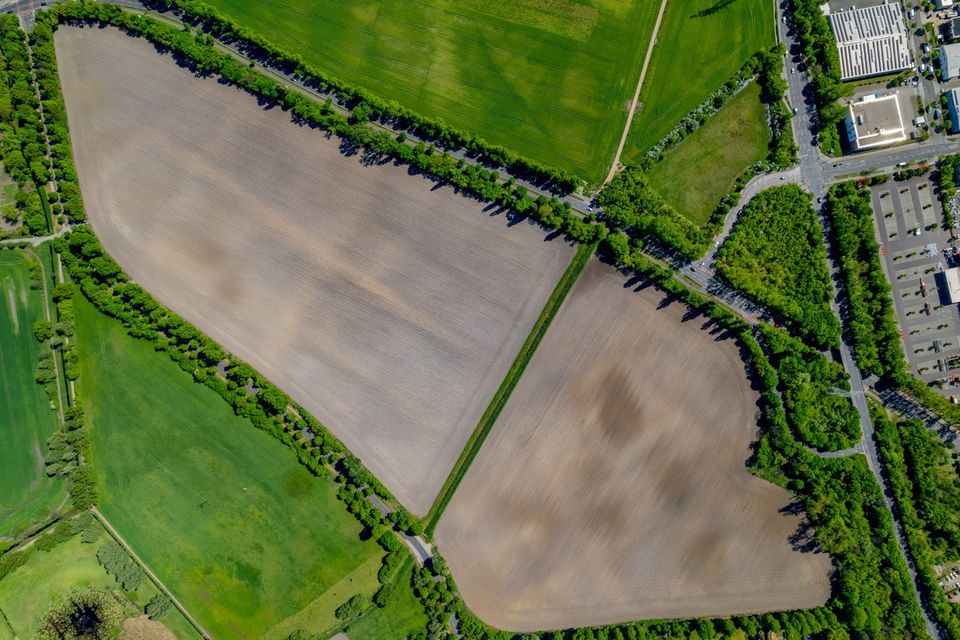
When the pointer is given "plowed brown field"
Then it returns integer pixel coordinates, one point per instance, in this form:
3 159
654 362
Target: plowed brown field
389 309
613 487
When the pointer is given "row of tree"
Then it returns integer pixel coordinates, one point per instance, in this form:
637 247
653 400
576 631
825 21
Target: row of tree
775 254
55 117
823 66
872 322
948 178
926 488
388 113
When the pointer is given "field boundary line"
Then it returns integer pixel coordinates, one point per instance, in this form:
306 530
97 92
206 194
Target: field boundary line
636 94
499 400
150 574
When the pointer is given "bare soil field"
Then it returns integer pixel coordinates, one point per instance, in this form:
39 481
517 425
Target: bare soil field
391 310
613 487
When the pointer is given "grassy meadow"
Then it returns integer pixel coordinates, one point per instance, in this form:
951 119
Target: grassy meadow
551 80
241 533
26 419
698 172
30 591
701 44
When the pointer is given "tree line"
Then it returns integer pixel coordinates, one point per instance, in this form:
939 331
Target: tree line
22 146
873 322
823 66
948 177
775 254
389 113
924 481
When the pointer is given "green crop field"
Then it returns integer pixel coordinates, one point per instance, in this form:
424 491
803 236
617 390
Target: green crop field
26 419
551 80
241 533
698 172
701 44
30 591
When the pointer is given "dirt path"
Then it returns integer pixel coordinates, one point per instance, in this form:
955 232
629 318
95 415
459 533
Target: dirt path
153 577
636 94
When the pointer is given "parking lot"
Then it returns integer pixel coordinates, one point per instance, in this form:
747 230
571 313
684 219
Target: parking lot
915 249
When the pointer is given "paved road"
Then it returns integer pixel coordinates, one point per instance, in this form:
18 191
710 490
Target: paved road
36 241
817 170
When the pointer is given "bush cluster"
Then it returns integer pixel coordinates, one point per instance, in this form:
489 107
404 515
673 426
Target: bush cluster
775 255
55 117
118 563
818 416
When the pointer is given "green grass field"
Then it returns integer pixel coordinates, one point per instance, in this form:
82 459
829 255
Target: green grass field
26 419
698 172
701 44
222 512
30 591
549 79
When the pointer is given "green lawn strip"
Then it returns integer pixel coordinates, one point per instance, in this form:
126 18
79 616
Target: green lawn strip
701 44
506 387
696 174
553 85
27 495
238 531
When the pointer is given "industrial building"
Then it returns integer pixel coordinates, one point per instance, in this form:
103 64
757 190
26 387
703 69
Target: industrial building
950 61
948 283
874 121
953 107
871 41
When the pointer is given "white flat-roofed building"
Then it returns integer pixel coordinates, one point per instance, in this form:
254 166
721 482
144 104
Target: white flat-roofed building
875 121
871 41
950 61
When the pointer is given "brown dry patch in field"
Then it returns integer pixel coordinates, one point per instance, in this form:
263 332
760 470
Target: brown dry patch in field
143 628
389 309
613 487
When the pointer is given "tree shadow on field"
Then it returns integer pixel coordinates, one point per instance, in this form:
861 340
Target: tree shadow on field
804 538
711 10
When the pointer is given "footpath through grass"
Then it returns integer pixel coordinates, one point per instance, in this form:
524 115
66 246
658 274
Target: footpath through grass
696 174
489 417
31 590
241 533
26 419
549 80
701 44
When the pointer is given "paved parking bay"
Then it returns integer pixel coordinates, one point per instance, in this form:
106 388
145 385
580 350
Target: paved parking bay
916 248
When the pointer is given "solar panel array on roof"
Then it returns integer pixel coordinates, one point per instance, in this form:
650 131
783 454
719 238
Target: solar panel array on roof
871 41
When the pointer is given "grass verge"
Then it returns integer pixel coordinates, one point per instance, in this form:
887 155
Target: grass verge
506 387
